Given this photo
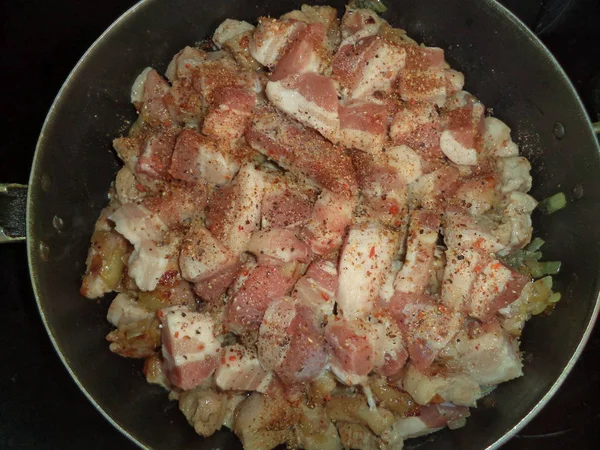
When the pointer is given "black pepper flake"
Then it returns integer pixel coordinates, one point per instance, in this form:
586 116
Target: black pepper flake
460 257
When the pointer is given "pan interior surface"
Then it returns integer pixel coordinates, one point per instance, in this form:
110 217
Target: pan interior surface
504 65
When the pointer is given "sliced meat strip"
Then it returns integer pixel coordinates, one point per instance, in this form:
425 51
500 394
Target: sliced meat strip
487 354
427 325
147 95
365 259
155 158
127 187
390 353
183 64
496 138
432 190
363 22
367 65
271 38
331 215
495 287
229 113
422 238
459 274
477 194
316 289
418 125
229 29
203 256
423 78
185 105
363 125
302 151
461 139
177 203
352 354
278 246
240 370
201 159
138 224
212 288
383 184
248 304
233 212
308 97
305 54
190 348
290 344
146 231
219 70
462 231
325 15
285 206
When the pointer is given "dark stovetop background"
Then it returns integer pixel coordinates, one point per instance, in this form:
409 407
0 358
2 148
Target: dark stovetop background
40 406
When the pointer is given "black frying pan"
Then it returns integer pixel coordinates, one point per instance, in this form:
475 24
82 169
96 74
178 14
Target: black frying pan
505 66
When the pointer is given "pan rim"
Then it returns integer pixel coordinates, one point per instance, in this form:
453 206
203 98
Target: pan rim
33 244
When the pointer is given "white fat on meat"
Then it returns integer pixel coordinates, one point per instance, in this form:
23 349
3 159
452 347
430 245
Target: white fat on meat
386 291
496 139
363 125
514 174
456 388
362 22
125 309
461 231
325 230
202 255
489 358
495 287
406 162
229 29
201 159
190 348
455 81
127 186
407 428
146 232
310 98
183 64
273 342
148 263
240 370
458 278
390 355
242 218
516 227
290 343
376 67
271 38
365 260
137 89
137 224
477 194
351 350
456 151
422 238
276 246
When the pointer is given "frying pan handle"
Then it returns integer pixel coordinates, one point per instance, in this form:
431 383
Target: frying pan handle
13 200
